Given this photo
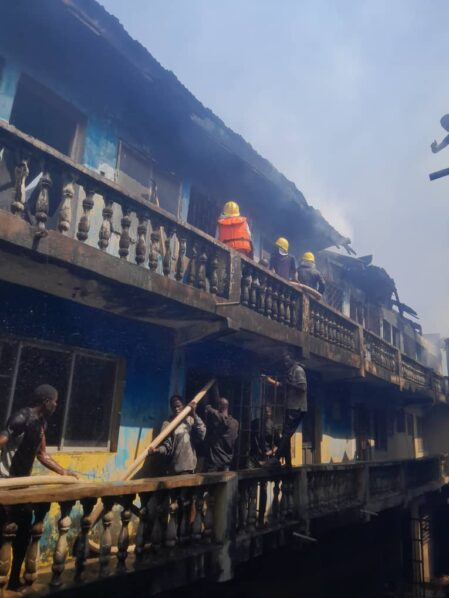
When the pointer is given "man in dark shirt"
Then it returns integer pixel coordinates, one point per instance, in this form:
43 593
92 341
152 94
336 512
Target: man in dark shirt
265 437
222 433
281 262
293 378
21 442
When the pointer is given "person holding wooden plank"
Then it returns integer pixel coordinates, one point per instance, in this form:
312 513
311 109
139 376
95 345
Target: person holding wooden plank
179 447
222 433
21 443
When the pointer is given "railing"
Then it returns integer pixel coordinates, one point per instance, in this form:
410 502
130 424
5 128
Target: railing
414 372
385 479
331 489
206 522
328 325
266 293
98 212
380 352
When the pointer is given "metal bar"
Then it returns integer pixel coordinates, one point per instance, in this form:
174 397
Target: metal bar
12 388
67 401
439 174
303 537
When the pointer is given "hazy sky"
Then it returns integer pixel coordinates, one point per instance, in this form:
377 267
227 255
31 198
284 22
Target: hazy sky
344 97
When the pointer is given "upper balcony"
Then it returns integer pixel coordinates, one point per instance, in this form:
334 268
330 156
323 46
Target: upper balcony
68 231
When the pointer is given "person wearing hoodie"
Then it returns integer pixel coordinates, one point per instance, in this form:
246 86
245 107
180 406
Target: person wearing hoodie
281 262
309 275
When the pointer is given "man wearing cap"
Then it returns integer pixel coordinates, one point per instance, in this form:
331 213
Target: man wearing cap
309 274
281 262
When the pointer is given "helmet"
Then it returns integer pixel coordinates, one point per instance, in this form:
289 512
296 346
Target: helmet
231 208
283 244
308 257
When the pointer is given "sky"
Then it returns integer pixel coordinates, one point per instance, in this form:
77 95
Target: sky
344 98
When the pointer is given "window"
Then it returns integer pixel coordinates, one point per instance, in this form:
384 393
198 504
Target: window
139 175
396 337
419 352
44 115
203 212
87 384
400 421
356 310
387 331
333 295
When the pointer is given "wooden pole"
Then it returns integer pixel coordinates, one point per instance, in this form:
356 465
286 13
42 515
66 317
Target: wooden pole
136 464
36 480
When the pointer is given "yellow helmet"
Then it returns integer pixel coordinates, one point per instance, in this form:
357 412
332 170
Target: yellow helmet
231 208
283 244
308 257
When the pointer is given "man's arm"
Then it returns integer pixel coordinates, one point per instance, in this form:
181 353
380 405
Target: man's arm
48 462
437 147
271 380
215 414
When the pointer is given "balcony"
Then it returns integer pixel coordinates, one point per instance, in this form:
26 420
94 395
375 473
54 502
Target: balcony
205 524
86 239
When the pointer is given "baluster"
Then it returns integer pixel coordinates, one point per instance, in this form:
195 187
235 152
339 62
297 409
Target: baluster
123 538
274 516
291 500
288 308
261 305
281 305
106 537
153 254
252 507
242 505
61 549
81 548
171 532
262 503
338 335
9 531
326 323
180 261
21 173
84 223
254 290
318 324
332 331
125 239
142 528
32 553
166 262
275 305
185 504
42 204
192 270
155 509
294 311
202 269
246 282
197 525
284 501
105 229
65 210
141 245
214 275
209 517
269 300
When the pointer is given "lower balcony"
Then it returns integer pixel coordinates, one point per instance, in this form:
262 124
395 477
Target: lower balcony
185 528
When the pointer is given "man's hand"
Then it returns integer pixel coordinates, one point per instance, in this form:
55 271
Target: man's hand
192 405
209 408
152 450
71 473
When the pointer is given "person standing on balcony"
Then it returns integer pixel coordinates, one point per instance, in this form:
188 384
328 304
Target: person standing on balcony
233 229
21 443
281 262
293 379
179 447
222 434
265 437
309 274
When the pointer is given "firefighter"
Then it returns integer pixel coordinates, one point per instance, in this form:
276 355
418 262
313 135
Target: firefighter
309 274
233 229
281 262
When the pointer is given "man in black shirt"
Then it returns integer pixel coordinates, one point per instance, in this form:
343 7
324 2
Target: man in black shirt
293 378
265 437
21 442
222 433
